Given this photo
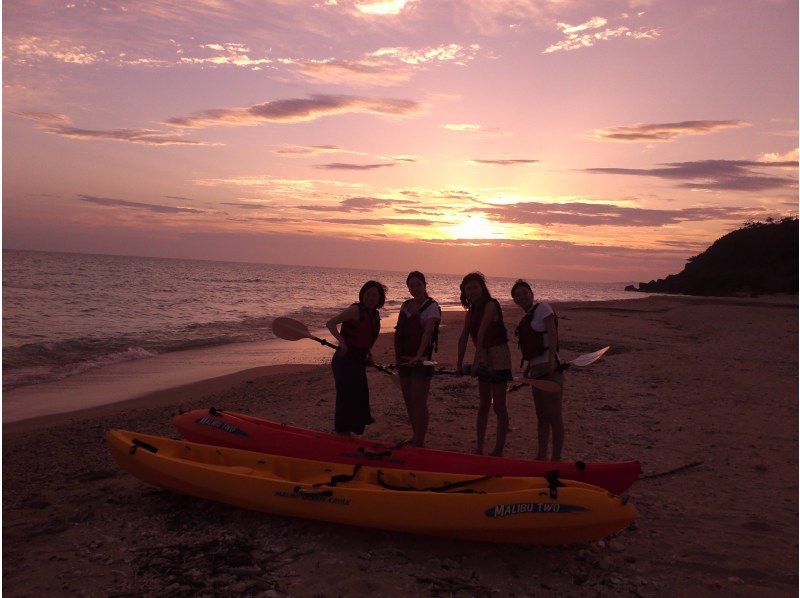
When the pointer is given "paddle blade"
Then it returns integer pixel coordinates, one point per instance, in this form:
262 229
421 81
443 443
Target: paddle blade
589 358
290 329
544 385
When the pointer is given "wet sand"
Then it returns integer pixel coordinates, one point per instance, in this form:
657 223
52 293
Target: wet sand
687 380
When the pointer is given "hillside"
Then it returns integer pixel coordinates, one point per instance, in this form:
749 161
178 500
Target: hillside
760 257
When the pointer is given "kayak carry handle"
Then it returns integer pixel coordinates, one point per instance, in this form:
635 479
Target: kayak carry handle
136 443
370 455
303 492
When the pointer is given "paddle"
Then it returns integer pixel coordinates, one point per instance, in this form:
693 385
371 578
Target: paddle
545 385
290 329
580 361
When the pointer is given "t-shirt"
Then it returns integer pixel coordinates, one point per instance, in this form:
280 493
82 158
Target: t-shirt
430 312
537 324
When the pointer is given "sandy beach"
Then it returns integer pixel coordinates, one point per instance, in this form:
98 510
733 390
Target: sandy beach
688 380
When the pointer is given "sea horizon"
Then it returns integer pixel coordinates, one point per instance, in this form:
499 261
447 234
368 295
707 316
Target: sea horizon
274 263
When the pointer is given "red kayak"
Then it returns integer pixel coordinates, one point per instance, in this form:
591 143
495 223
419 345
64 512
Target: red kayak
237 430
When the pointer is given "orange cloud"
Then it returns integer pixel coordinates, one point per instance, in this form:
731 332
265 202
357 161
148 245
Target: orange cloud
385 66
666 131
59 124
297 110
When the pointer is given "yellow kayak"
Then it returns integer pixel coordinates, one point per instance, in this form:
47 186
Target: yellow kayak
495 509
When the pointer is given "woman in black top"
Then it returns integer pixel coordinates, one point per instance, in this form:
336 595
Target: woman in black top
414 342
361 324
492 366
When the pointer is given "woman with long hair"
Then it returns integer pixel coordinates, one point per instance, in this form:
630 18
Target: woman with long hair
414 342
360 326
538 341
483 323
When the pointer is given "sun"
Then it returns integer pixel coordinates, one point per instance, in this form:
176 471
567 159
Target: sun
474 227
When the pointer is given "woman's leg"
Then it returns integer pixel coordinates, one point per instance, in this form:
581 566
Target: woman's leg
485 395
340 417
500 409
408 399
557 422
362 415
420 388
542 424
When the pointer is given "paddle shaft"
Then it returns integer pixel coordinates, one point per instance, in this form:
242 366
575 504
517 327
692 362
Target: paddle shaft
325 343
532 382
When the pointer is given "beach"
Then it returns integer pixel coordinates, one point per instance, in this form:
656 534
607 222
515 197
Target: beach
707 382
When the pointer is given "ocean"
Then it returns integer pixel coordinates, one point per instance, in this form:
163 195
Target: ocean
64 313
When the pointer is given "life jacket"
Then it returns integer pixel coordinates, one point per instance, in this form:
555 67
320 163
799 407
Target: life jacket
363 333
531 342
410 330
495 334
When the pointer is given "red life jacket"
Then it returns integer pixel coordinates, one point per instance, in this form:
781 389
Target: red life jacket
531 342
495 334
363 333
410 330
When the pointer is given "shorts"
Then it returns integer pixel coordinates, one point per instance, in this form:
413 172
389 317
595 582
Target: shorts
494 364
415 371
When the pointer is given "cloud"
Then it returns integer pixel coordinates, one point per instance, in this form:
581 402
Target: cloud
235 54
358 204
380 221
135 205
372 203
273 184
246 206
58 124
409 158
593 23
297 110
597 214
730 175
772 157
383 7
313 150
666 131
475 129
574 39
45 117
505 162
385 66
27 49
343 166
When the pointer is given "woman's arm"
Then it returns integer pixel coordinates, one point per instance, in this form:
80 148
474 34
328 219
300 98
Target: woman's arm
430 326
351 313
552 341
462 344
488 317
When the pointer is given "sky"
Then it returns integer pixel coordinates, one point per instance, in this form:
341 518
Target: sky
560 139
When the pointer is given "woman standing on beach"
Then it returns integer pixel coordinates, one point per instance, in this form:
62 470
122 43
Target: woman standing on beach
361 324
414 342
538 341
492 365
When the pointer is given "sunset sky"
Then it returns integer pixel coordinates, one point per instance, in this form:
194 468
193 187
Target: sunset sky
561 139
